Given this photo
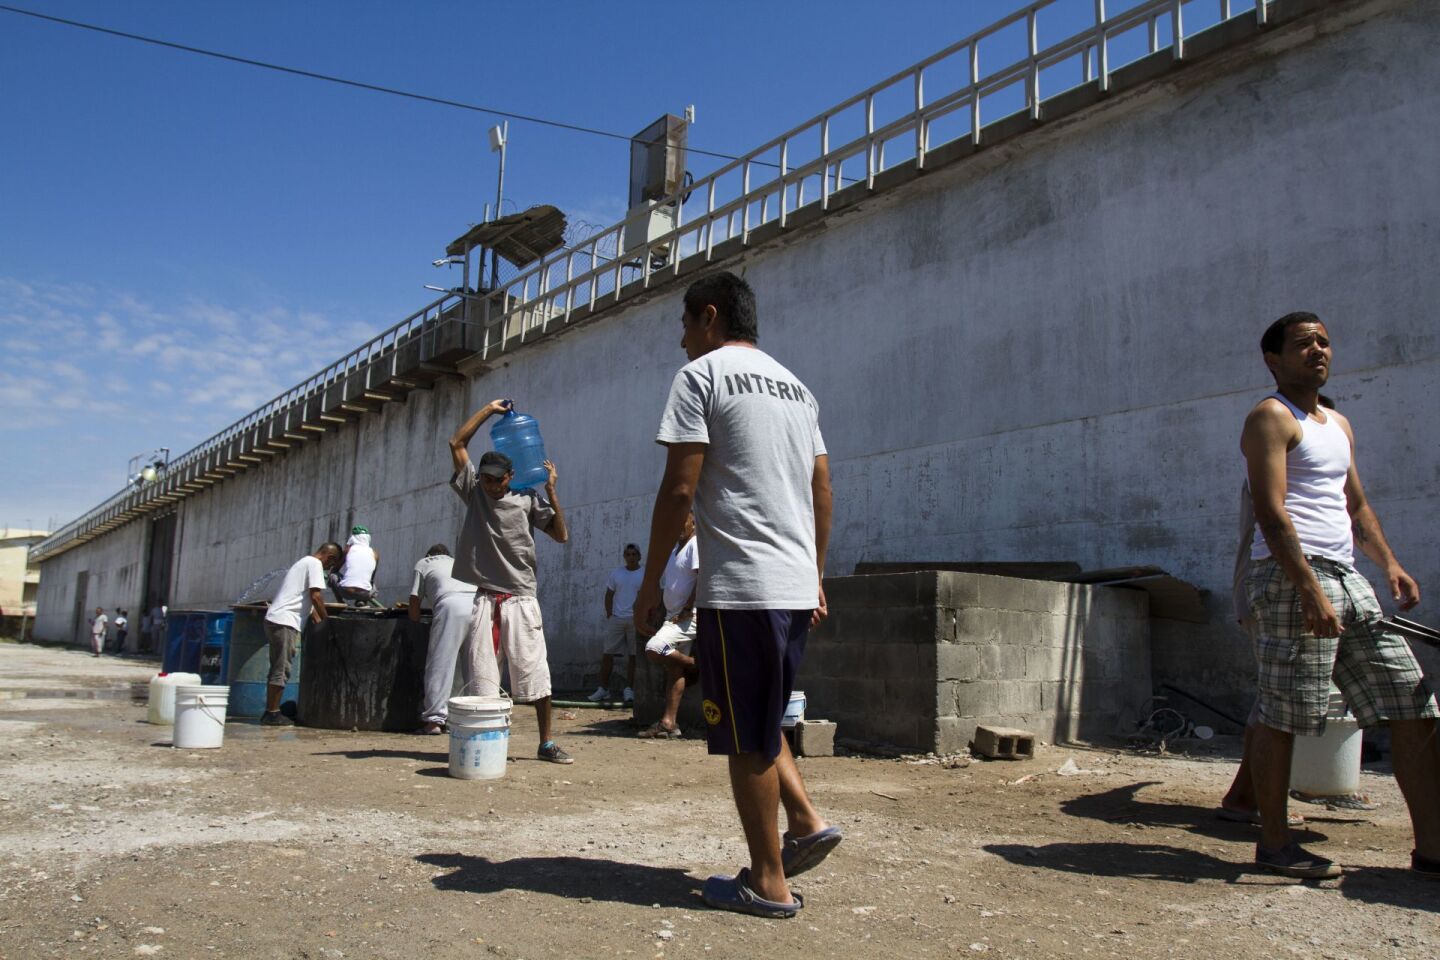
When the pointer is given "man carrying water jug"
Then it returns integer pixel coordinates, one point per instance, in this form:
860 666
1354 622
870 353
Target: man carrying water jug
496 552
1316 616
743 445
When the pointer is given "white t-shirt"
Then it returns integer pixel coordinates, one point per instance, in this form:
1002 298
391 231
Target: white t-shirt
291 604
679 577
358 570
98 625
121 623
626 584
433 579
754 512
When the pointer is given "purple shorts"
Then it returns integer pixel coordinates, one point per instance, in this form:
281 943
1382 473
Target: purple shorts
748 661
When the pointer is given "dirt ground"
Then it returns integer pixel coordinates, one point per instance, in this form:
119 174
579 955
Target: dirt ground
304 843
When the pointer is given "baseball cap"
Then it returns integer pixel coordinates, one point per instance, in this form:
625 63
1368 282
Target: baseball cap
495 464
358 529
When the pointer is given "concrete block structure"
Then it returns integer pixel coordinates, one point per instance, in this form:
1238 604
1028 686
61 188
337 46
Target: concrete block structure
919 660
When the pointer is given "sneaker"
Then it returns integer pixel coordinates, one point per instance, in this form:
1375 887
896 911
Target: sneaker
629 695
1293 860
550 750
600 694
276 719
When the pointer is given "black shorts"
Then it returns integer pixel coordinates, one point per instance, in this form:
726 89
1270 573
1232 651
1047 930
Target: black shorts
748 660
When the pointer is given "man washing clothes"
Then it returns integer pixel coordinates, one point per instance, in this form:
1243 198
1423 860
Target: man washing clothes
496 552
299 597
357 574
451 602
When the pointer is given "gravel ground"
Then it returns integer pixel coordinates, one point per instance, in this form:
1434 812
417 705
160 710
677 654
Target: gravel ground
305 843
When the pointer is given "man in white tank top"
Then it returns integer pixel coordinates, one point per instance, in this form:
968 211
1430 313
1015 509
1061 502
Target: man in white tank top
1316 617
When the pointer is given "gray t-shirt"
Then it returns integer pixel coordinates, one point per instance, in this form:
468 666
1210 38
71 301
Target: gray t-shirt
754 512
497 549
433 579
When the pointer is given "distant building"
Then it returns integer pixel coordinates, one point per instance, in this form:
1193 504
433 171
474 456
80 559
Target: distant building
19 578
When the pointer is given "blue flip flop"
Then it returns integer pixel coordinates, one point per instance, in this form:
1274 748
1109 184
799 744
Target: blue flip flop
799 854
734 893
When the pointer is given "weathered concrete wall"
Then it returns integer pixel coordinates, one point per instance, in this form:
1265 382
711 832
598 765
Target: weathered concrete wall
919 659
114 571
1041 353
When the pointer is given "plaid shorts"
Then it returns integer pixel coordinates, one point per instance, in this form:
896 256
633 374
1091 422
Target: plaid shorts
1373 666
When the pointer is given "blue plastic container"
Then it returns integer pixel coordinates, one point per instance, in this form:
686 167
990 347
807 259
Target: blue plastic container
188 635
517 435
184 630
249 666
215 647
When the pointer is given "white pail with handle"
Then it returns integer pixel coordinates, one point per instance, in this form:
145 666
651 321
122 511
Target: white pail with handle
479 737
200 716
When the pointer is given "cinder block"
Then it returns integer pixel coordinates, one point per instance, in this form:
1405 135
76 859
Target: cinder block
953 734
959 661
1004 743
842 660
1019 696
906 625
977 625
1044 596
980 698
957 590
1001 593
815 738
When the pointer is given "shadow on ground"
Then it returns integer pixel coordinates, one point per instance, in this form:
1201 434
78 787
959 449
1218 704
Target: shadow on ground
1122 805
614 726
1142 861
569 877
427 756
1388 885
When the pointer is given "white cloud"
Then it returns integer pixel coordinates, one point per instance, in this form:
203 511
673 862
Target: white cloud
138 374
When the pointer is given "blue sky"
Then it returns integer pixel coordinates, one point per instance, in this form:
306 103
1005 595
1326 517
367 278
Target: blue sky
183 238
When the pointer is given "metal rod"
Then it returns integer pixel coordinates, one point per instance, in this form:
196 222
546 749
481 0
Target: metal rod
975 93
1033 77
919 119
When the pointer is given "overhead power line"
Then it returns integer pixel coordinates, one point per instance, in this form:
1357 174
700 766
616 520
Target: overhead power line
328 78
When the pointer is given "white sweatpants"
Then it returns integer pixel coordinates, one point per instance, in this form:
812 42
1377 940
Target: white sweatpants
448 627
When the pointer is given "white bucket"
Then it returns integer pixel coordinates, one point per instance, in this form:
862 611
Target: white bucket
1328 765
794 710
479 737
200 716
162 695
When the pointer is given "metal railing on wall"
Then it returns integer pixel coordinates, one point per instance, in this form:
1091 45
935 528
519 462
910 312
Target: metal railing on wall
947 97
770 183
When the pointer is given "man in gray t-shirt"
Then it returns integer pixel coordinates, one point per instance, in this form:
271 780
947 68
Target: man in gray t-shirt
497 554
743 442
451 603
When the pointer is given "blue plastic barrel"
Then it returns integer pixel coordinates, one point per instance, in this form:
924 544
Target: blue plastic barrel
184 636
215 647
249 666
517 435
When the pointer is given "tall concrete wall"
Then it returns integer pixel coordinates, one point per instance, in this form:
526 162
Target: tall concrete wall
1043 352
112 568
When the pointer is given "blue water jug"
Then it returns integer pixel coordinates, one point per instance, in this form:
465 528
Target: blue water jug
518 437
